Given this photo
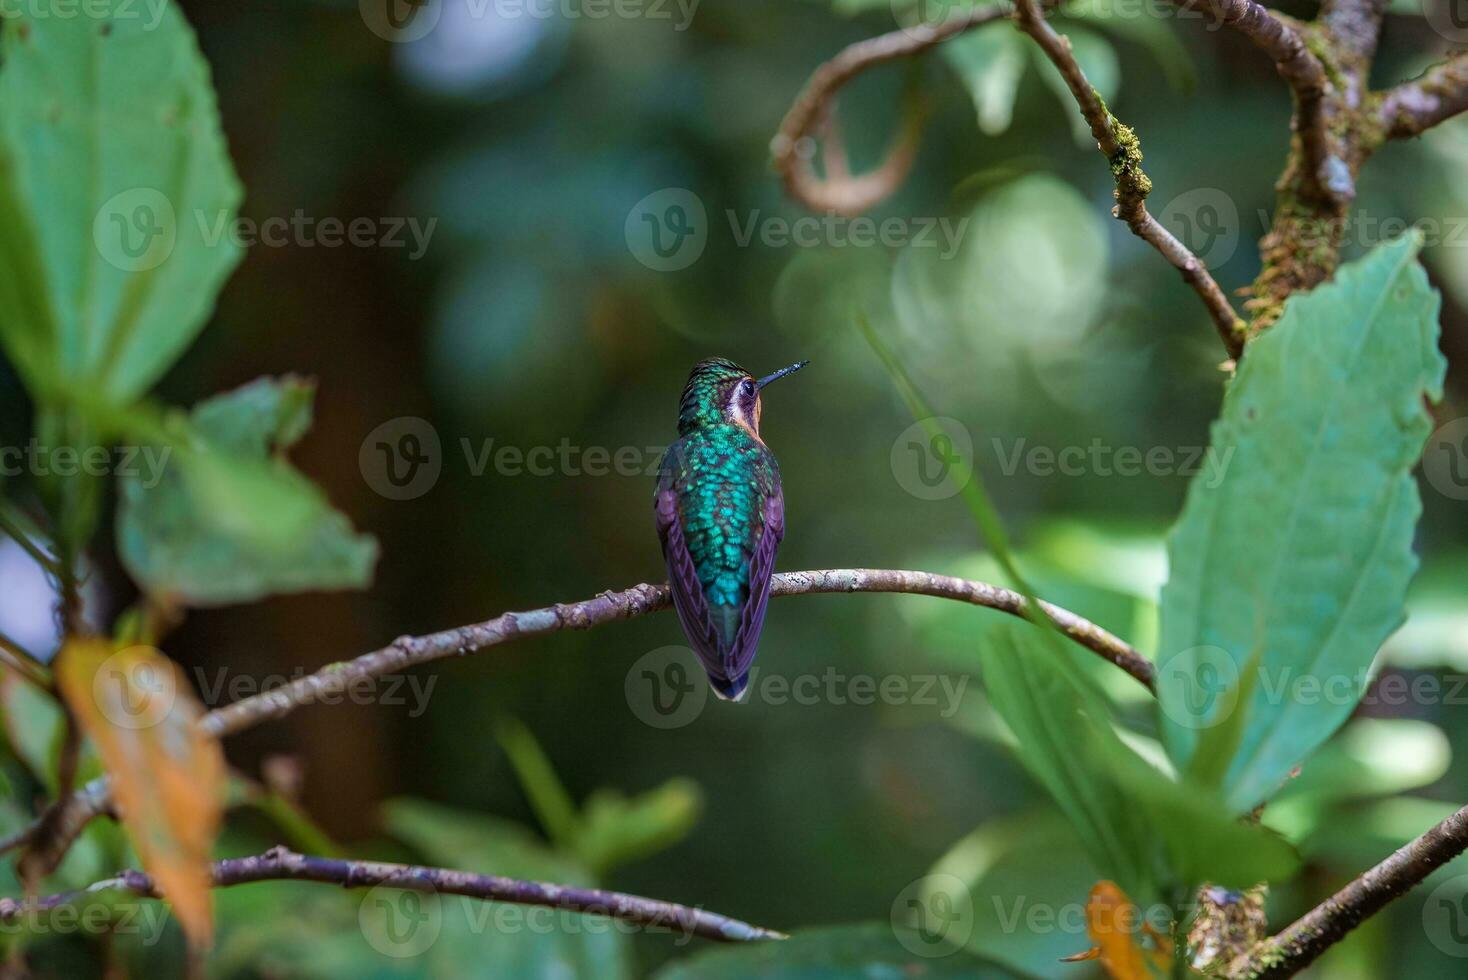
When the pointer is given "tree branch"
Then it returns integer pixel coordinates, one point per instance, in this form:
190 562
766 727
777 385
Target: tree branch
280 864
640 600
1414 107
1325 175
1123 151
841 193
1355 26
1299 945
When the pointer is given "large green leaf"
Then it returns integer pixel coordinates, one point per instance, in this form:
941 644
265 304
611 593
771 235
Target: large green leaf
832 953
1299 555
108 274
226 519
1140 827
1059 722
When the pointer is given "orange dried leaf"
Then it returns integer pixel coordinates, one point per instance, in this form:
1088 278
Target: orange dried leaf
167 776
1114 923
1094 953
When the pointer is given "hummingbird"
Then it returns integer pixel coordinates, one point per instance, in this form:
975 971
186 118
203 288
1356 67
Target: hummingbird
720 515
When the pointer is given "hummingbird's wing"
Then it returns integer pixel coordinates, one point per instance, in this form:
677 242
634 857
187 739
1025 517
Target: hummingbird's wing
766 540
724 636
688 598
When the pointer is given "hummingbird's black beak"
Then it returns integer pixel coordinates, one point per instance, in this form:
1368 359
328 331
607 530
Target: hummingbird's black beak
780 373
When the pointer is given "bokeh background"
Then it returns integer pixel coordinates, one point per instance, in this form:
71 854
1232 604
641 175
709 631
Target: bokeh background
533 317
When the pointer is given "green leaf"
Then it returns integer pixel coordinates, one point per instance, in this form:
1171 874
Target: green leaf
1300 553
990 62
1435 636
1059 724
228 519
1359 837
107 276
616 830
832 953
548 796
522 943
1369 757
34 726
1141 828
1373 757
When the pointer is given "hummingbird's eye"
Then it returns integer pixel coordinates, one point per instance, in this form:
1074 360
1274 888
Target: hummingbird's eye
746 388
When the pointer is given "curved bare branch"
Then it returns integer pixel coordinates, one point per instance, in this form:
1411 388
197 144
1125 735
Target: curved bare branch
793 145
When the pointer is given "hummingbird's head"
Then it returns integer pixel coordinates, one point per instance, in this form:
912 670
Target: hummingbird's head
720 392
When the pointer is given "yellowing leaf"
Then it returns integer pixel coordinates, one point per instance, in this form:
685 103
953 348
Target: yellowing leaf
167 776
1115 924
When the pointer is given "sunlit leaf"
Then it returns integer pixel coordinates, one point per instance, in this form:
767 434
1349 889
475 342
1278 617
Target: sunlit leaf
167 776
1369 757
1320 430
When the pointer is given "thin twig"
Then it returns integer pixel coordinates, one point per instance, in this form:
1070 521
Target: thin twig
1299 945
24 662
280 864
1414 107
57 828
842 193
640 600
90 801
1123 151
12 529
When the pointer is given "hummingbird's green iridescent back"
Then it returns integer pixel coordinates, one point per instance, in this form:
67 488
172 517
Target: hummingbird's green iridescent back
720 515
